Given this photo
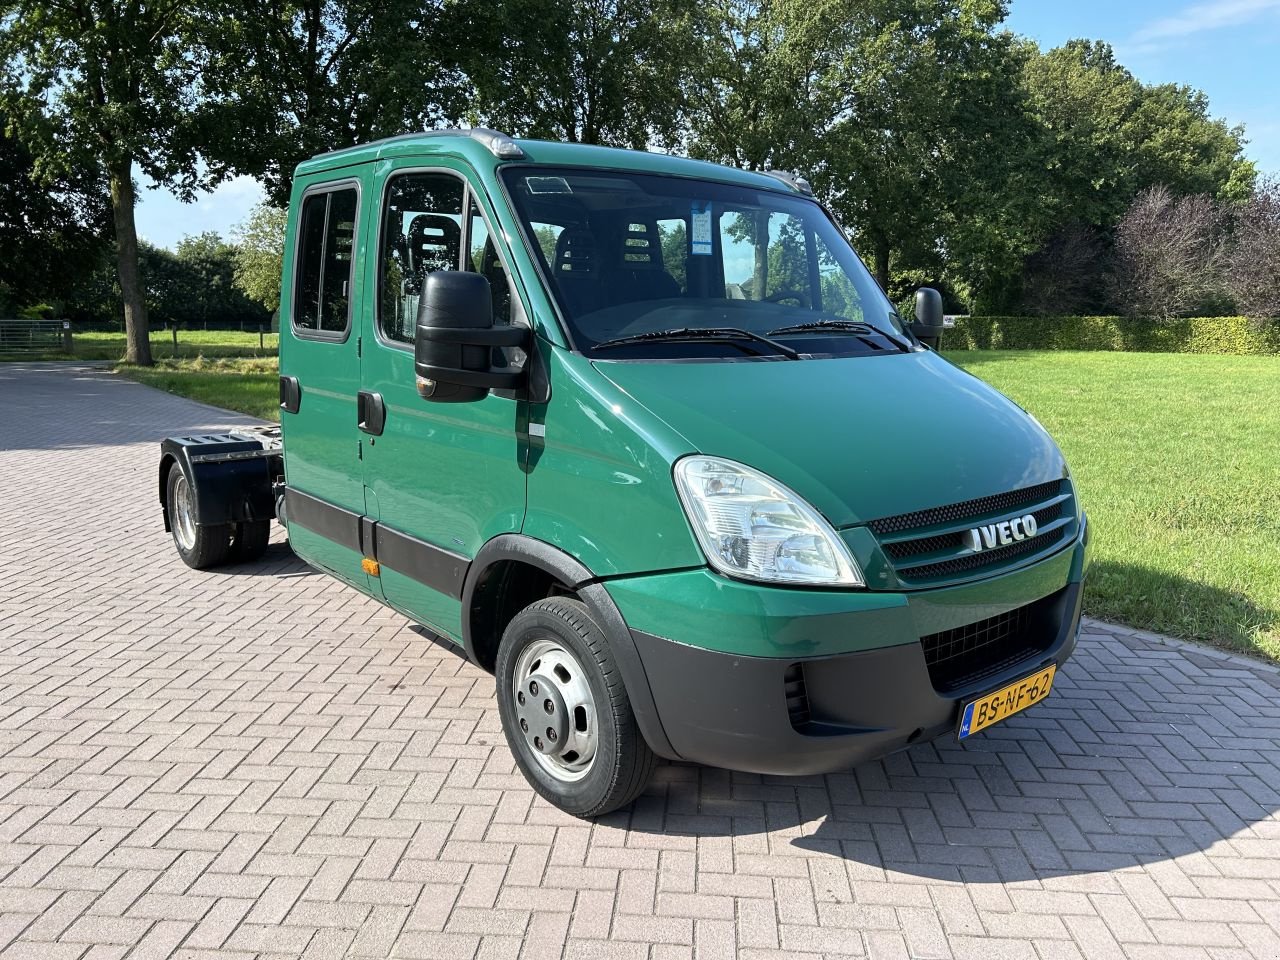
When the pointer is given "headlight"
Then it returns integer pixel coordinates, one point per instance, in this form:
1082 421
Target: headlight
754 528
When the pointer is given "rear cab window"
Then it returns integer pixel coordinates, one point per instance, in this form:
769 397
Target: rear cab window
323 269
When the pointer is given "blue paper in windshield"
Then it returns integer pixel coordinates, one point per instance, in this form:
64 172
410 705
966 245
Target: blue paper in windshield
700 229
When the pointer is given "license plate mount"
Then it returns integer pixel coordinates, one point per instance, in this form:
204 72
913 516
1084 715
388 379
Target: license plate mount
991 708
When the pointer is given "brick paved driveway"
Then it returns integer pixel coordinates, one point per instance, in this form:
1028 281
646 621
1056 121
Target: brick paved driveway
261 761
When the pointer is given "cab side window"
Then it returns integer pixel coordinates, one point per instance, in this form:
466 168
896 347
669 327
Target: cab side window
326 236
421 232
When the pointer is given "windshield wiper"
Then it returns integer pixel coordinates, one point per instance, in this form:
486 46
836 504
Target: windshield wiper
852 326
695 334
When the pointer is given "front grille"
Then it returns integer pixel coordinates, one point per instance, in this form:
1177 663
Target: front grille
999 503
936 555
964 656
904 549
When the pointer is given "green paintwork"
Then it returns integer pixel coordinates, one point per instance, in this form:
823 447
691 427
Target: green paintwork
860 438
600 484
701 609
322 437
447 473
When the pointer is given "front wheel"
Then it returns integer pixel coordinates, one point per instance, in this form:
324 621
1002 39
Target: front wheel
565 710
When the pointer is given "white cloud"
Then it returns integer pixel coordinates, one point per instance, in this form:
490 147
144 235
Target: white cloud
165 220
1201 17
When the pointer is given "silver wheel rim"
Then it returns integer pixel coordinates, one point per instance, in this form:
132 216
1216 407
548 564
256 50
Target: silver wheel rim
554 710
184 514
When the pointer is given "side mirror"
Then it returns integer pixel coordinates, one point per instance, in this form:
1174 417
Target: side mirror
928 323
455 336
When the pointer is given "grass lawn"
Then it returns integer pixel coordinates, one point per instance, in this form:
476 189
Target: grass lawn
1176 457
1177 460
249 385
99 345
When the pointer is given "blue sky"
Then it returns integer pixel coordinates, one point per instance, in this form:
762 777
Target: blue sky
1228 48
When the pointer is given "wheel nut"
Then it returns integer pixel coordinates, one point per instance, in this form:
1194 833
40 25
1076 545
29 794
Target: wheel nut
520 697
537 742
524 725
548 706
533 687
551 735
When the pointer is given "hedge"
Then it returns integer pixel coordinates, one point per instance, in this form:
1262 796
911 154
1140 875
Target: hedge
1235 335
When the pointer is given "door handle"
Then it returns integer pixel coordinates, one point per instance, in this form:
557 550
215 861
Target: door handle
290 394
371 412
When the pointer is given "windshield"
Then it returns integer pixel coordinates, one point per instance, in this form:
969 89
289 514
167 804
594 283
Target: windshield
630 254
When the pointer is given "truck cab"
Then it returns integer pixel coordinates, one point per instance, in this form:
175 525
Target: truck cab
641 436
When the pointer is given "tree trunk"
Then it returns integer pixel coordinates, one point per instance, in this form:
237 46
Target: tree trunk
136 334
882 264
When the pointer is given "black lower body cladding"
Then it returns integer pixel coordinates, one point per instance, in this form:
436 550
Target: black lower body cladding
765 715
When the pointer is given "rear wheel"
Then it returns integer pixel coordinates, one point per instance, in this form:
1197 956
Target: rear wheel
200 546
565 710
249 540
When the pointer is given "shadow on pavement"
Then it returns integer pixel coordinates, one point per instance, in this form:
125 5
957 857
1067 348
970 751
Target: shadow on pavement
1145 753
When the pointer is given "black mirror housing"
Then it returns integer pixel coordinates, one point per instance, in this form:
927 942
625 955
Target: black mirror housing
928 323
455 336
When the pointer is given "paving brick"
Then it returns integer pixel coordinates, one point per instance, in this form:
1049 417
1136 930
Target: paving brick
260 761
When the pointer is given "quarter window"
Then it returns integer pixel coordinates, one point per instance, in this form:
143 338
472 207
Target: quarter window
325 242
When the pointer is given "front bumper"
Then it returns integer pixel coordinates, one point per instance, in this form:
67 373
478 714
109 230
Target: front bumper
836 688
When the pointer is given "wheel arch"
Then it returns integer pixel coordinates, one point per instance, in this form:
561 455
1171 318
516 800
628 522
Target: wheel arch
507 571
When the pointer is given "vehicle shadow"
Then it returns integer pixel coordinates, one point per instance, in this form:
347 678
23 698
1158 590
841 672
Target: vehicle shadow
278 561
1145 753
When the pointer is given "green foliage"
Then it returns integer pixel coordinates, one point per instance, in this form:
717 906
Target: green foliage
752 98
37 311
259 254
195 285
96 87
283 81
51 230
1107 136
583 71
246 386
1222 335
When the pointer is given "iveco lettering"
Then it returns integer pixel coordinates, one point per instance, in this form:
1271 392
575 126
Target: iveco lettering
642 437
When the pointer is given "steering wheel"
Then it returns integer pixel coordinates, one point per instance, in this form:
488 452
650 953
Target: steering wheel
795 295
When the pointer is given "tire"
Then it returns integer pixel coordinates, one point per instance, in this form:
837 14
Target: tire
249 540
200 546
555 644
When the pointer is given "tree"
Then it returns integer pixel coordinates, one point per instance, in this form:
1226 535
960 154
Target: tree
1169 252
583 71
259 254
193 284
98 87
1107 137
1253 264
927 158
751 98
286 79
1066 274
50 232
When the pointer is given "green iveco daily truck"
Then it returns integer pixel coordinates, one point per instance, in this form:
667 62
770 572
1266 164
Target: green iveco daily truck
643 438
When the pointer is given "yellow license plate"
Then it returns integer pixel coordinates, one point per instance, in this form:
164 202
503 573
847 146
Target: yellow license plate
1005 702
